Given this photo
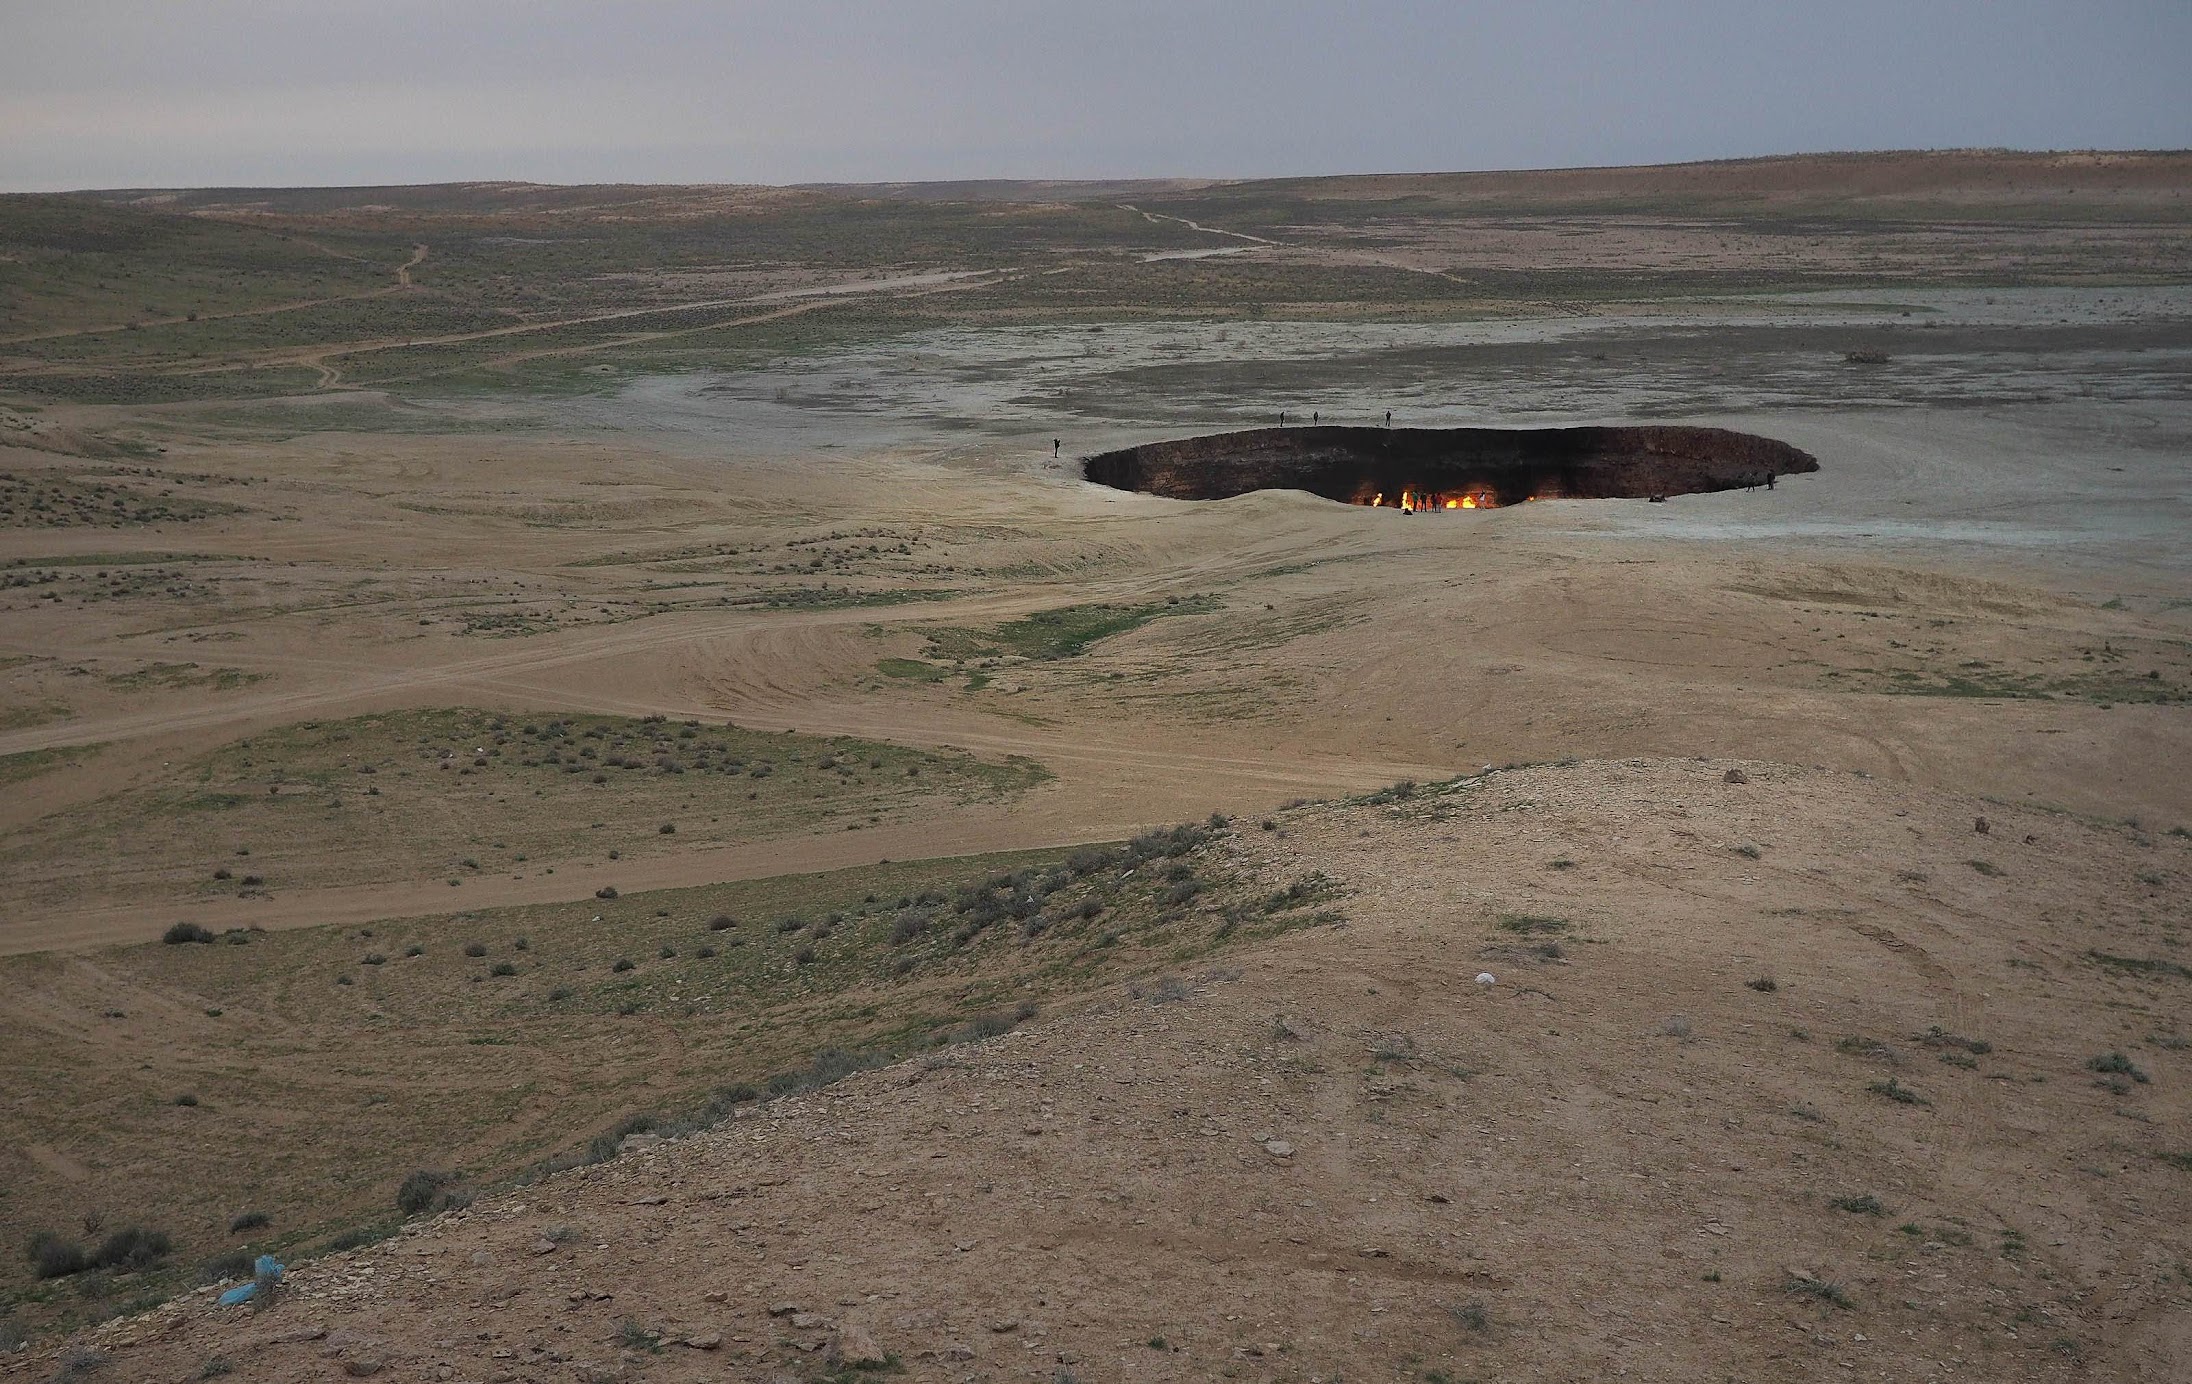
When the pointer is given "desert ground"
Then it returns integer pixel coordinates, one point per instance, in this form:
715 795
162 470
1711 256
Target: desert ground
582 766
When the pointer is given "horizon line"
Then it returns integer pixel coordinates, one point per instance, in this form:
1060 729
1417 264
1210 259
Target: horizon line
1152 178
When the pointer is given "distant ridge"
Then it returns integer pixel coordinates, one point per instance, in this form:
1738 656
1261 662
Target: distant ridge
2149 182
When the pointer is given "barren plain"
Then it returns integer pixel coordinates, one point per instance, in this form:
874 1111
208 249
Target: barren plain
669 799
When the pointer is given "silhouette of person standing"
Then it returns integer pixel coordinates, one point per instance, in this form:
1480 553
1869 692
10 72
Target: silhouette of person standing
1054 445
1389 418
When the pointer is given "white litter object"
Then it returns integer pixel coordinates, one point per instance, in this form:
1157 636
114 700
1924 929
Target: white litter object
1487 978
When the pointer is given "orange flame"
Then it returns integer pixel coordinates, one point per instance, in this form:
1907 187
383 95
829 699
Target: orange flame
1413 501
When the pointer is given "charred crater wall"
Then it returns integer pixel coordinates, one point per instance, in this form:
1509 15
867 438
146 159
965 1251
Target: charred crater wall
1501 465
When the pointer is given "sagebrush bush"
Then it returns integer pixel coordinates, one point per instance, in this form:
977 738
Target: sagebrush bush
423 1190
982 1026
53 1257
133 1248
605 1144
1090 860
357 1238
2118 1064
1169 990
185 932
1897 1092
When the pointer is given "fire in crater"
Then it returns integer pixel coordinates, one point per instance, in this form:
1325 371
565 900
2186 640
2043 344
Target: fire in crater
1417 501
1431 470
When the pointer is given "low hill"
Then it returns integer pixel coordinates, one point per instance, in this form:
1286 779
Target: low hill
1659 1068
2116 183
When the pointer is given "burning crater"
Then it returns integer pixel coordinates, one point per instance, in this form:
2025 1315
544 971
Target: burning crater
1413 469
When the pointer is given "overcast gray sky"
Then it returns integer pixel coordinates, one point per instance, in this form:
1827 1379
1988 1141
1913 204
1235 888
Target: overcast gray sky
114 93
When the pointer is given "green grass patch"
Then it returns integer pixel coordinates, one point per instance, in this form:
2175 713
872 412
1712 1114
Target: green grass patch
429 794
1819 1290
44 500
123 559
1987 686
35 714
1896 1091
2100 687
1061 633
913 669
1528 923
2140 965
29 764
835 598
176 676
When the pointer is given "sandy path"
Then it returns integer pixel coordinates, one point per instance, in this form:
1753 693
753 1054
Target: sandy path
1155 216
1324 255
823 297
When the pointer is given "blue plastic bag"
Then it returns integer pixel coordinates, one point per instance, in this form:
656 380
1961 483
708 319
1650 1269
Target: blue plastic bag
268 1270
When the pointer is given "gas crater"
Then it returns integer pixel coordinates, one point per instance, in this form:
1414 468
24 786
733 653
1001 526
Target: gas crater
1427 469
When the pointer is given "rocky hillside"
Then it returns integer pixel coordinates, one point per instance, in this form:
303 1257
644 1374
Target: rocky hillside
1649 1069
